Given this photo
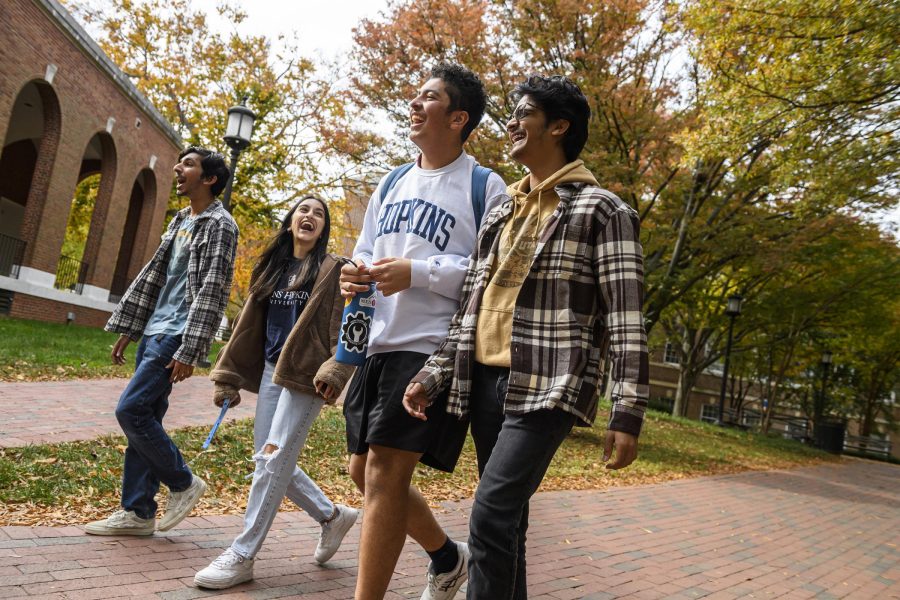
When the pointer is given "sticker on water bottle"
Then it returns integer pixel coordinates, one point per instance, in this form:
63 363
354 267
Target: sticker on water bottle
355 332
367 301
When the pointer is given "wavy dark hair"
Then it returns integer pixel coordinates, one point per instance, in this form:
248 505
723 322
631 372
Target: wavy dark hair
560 98
466 93
280 252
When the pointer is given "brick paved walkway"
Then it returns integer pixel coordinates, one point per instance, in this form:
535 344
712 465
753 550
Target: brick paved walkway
825 532
64 411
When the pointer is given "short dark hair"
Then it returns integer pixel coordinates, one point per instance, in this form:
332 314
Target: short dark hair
466 93
560 98
213 164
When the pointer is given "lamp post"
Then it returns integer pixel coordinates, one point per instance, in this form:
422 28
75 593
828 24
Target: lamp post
237 136
733 309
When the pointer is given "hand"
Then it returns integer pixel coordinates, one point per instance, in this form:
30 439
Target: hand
180 370
223 392
118 351
415 401
351 278
325 390
625 447
392 274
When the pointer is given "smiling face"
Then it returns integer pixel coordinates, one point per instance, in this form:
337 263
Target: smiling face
189 176
429 116
308 223
533 139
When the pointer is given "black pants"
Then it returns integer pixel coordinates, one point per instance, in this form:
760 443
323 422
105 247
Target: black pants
514 451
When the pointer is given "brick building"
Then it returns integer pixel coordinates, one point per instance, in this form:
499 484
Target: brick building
66 113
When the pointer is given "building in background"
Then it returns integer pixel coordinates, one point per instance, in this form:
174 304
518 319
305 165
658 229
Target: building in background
68 113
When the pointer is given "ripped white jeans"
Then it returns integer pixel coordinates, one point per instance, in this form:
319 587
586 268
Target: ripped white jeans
283 419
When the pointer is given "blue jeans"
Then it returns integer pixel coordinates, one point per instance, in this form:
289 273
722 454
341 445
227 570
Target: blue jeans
283 419
513 452
151 456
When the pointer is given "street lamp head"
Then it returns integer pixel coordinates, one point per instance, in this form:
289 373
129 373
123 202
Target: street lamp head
240 126
734 305
826 358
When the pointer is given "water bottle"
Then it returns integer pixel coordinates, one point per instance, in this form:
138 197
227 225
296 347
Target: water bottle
355 327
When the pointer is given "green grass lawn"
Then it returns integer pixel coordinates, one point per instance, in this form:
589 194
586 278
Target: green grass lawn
38 351
77 482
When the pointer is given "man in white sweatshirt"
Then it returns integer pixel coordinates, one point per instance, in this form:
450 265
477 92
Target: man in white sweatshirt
419 231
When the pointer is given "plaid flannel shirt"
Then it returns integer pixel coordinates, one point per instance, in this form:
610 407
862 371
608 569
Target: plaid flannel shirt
584 289
209 274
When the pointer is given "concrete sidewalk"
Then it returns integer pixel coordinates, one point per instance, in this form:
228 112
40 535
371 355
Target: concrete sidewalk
824 532
65 411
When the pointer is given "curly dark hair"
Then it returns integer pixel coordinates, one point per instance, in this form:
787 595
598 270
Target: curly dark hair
560 98
466 93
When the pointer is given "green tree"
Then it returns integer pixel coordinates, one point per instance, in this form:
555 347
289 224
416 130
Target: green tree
192 74
709 201
79 222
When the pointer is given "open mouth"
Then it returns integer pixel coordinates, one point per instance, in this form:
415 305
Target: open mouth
307 226
517 136
416 119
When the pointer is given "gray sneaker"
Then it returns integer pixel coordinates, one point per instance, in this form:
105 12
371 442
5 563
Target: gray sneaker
443 586
122 522
333 532
229 569
180 504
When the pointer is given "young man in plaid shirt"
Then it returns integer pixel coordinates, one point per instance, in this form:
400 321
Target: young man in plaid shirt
174 307
557 273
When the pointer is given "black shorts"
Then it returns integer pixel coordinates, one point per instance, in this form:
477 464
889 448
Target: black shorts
374 413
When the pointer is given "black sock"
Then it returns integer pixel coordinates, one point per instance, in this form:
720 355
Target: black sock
444 559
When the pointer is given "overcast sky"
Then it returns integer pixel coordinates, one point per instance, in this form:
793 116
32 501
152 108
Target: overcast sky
323 28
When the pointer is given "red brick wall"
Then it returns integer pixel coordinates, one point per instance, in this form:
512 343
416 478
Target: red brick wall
41 309
86 99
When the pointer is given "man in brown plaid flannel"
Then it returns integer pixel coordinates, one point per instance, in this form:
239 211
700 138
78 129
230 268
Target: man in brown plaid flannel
557 275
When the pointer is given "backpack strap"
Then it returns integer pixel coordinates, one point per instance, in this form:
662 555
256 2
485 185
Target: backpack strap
479 191
480 177
391 180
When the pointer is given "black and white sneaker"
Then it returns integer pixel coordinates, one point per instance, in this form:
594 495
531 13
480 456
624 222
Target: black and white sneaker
443 586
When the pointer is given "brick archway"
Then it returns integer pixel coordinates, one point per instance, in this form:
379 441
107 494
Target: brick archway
133 243
26 164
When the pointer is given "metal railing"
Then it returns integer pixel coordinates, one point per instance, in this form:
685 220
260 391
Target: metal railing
12 252
868 445
71 274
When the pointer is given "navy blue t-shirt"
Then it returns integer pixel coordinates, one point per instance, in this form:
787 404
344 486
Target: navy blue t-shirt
284 309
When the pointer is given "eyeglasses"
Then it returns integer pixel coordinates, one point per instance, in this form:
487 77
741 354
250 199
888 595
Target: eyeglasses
522 111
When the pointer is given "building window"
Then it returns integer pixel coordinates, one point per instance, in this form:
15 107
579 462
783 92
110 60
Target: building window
671 355
709 413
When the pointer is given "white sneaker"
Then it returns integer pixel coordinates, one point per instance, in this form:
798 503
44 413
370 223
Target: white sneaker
122 522
229 569
443 586
180 504
333 532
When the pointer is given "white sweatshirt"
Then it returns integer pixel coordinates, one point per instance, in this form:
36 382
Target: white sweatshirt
427 217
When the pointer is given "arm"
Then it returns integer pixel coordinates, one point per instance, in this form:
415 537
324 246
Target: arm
437 373
445 274
139 301
206 310
618 265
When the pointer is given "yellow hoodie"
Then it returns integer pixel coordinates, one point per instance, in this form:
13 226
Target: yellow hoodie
518 241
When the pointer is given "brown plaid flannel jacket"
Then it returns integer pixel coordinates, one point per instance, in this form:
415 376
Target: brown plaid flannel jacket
209 275
584 289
